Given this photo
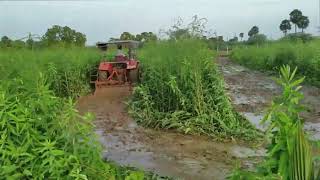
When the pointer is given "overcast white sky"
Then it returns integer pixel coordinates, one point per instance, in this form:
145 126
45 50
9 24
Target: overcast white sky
102 19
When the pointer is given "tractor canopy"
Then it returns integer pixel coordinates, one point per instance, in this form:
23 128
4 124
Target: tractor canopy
130 44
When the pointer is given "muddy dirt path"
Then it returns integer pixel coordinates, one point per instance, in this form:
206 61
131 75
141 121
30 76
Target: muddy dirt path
185 156
166 153
252 91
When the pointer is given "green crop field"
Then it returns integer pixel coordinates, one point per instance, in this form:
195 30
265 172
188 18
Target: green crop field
270 57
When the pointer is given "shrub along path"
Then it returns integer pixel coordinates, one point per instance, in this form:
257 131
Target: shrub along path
252 91
163 152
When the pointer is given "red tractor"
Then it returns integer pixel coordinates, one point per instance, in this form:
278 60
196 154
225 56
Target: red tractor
122 70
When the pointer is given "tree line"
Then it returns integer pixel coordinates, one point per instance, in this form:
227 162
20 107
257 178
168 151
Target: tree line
54 36
66 36
143 37
296 18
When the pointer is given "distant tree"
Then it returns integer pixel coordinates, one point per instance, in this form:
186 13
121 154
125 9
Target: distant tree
257 39
146 37
285 26
53 35
241 35
180 34
303 23
138 37
63 35
67 35
253 31
234 39
295 17
80 39
6 41
127 36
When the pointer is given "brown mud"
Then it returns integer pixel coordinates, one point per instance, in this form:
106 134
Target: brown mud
251 93
164 152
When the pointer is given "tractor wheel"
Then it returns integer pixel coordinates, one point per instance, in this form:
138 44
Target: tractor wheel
103 75
134 75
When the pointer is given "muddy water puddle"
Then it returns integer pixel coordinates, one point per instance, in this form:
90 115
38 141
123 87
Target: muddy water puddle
252 92
163 152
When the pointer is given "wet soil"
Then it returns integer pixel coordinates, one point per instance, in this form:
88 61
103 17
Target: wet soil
166 153
252 92
186 156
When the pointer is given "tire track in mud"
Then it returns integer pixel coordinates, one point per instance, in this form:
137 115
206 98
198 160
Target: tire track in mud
164 152
252 92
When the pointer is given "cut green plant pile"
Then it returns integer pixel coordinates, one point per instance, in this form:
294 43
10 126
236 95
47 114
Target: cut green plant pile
183 90
271 57
42 136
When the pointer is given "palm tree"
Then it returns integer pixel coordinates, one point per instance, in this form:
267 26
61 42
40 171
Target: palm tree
241 35
253 31
295 17
285 26
303 22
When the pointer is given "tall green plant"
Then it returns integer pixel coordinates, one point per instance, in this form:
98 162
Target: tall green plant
182 89
289 154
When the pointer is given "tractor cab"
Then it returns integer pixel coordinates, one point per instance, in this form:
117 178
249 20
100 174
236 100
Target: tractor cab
130 45
120 70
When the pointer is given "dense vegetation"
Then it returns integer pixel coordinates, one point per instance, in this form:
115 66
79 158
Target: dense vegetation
42 134
270 57
182 89
289 153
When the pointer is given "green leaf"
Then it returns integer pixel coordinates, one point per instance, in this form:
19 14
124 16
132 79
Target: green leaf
8 169
57 152
27 172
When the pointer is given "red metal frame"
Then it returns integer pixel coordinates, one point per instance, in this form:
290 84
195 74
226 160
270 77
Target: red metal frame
115 72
